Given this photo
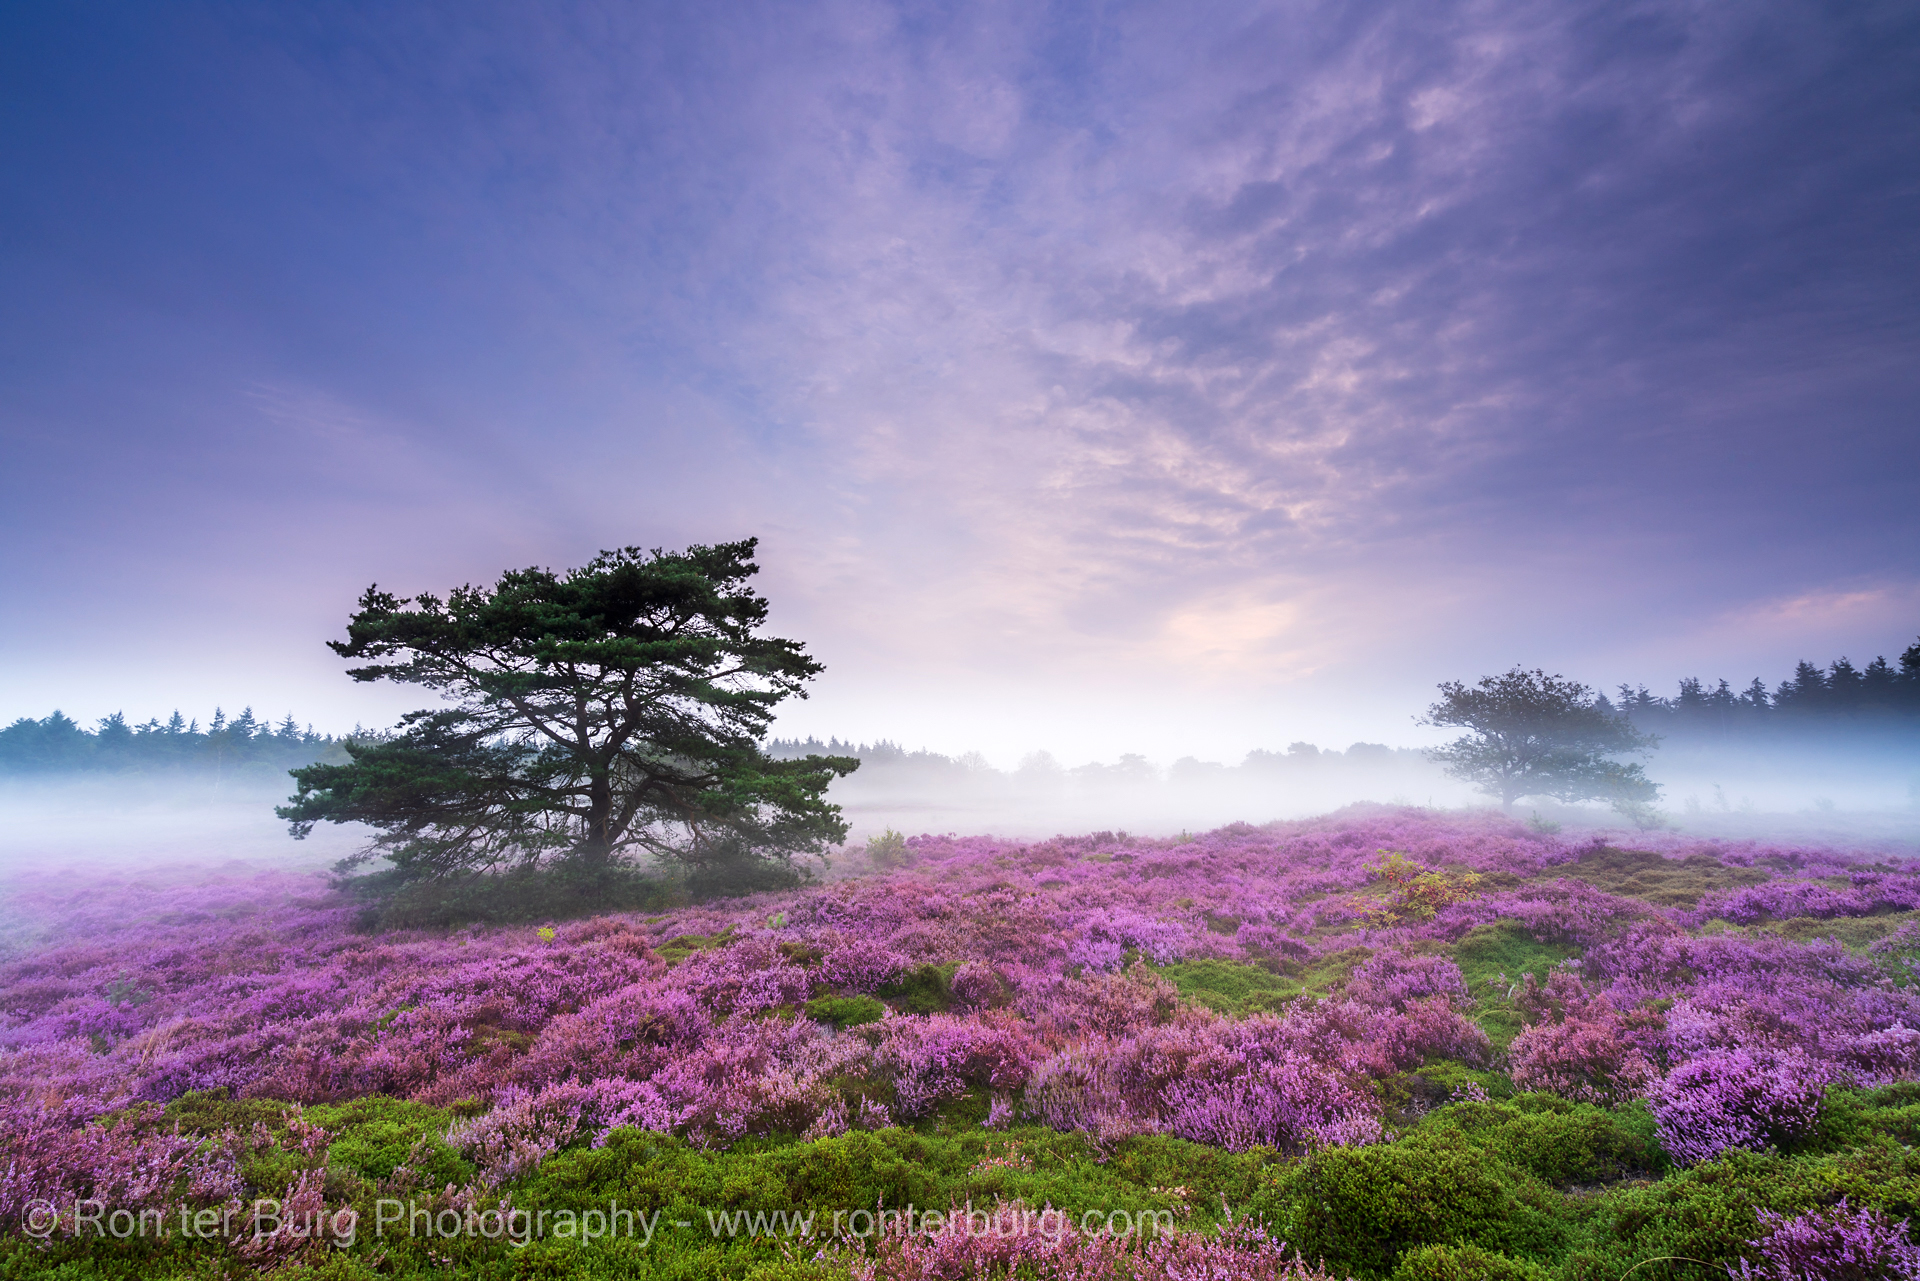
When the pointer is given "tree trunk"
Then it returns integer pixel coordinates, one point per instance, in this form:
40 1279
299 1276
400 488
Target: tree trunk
597 846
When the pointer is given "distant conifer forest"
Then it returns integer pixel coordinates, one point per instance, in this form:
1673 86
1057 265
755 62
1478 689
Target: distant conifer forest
1838 700
241 745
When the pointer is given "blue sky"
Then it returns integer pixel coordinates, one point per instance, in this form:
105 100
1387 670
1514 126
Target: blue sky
1167 378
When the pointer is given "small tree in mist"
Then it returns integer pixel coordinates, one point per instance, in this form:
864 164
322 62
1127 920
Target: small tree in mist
1538 735
608 712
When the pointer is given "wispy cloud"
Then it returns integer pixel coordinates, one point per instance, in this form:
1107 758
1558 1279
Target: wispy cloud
1251 347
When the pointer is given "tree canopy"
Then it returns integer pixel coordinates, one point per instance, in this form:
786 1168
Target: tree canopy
1538 735
608 712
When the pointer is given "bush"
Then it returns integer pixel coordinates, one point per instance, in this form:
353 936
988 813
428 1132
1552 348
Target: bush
1361 1208
560 892
1711 1211
375 1136
888 850
734 869
1555 1141
1464 1263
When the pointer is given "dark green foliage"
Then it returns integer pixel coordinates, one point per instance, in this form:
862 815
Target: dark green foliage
243 746
377 1134
731 868
1710 1211
1457 1198
1465 1263
613 711
896 1167
1849 1118
561 891
845 1011
1554 1140
1361 1208
1532 734
1841 699
211 1111
921 990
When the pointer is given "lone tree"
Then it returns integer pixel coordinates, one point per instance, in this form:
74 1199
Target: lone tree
1540 735
600 714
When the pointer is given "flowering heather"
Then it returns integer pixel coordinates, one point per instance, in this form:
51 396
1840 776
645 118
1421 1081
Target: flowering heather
1242 1253
1835 1244
1243 989
1742 1098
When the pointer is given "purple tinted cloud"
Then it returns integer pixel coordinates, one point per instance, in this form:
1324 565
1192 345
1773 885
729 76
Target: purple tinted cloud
1136 353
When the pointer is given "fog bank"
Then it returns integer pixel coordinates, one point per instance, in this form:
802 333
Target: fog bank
1834 792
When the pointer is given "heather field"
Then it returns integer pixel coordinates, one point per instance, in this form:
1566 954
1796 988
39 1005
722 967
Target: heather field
1385 1043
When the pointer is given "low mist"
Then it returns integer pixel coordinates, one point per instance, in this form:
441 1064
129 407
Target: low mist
1825 791
55 822
1863 791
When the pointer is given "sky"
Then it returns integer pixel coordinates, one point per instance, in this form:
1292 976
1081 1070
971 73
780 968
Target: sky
1171 378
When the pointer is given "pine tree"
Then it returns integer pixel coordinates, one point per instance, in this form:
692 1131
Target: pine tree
613 710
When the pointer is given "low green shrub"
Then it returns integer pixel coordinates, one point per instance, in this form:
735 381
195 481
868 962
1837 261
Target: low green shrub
921 990
845 1011
560 892
1229 987
1554 1140
1710 1211
1361 1208
375 1135
1464 1263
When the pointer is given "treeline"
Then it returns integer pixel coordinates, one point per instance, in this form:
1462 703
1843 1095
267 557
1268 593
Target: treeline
887 756
1840 698
241 745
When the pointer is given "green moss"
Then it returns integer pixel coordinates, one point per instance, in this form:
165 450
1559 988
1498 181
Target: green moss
1504 947
1230 987
845 1011
681 946
921 990
1334 969
1493 959
1451 1075
372 1136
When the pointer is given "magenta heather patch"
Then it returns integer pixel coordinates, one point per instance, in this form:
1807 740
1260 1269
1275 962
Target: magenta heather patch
1012 1239
1045 961
1754 1099
1838 1243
